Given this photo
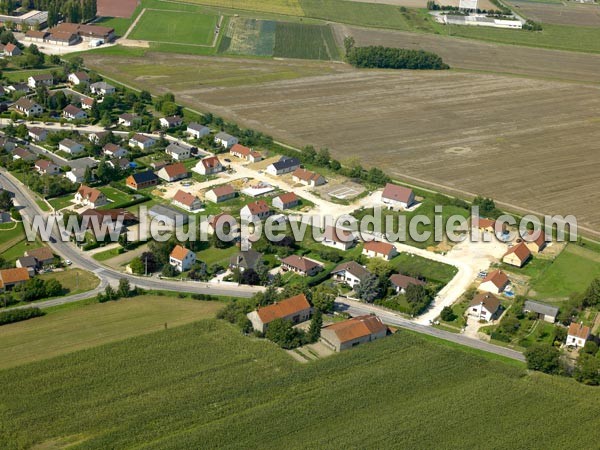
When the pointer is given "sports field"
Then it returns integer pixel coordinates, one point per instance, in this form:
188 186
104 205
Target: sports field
206 385
69 330
175 27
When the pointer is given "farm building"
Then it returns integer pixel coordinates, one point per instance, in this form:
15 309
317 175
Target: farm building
545 312
495 282
352 332
294 309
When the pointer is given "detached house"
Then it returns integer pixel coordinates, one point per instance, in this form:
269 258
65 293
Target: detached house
301 265
181 258
578 335
72 112
129 120
377 249
286 201
401 282
37 134
352 332
97 136
21 153
43 256
239 151
141 141
397 196
220 194
9 278
173 172
484 307
351 273
197 131
484 225
338 238
142 180
225 140
245 260
46 167
283 166
91 197
102 88
28 107
76 175
178 152
308 178
294 309
209 166
69 146
255 211
517 255
535 242
170 122
114 151
11 49
186 201
43 79
495 282
79 78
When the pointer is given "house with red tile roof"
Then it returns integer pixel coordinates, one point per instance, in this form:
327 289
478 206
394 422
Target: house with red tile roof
517 255
182 258
209 166
186 201
338 238
397 196
578 334
90 196
10 278
285 201
242 152
308 178
173 172
378 249
220 194
45 167
294 309
535 241
255 211
495 282
352 332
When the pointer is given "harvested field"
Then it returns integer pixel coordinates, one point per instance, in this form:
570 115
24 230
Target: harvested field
482 56
117 8
567 13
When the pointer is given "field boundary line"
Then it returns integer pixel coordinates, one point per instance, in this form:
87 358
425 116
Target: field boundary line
133 24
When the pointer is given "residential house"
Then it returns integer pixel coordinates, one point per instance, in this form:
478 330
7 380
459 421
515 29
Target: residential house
43 79
178 152
220 194
27 262
97 136
76 175
18 87
173 172
21 153
351 273
197 131
239 151
72 112
87 103
45 167
225 140
170 122
294 309
495 282
37 134
283 166
245 260
535 241
167 215
209 166
377 249
338 238
186 201
28 107
182 258
43 256
397 196
141 141
484 225
142 180
102 88
255 211
300 265
578 335
544 312
89 196
484 307
517 255
401 282
70 146
223 222
286 201
11 49
308 178
129 120
120 163
114 151
352 332
9 278
79 78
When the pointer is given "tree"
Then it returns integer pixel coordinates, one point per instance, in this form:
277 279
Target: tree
137 266
587 370
447 314
349 43
487 207
314 330
53 288
6 202
369 289
323 297
592 294
124 288
590 347
283 334
309 153
543 357
250 277
323 157
379 267
110 293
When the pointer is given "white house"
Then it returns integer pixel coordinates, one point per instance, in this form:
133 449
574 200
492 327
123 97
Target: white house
28 107
76 175
72 112
226 140
178 152
338 238
495 282
37 134
286 201
197 131
397 196
181 258
46 167
77 78
283 166
141 141
114 151
578 335
186 201
102 88
128 120
242 152
308 178
220 194
377 249
255 211
209 166
43 79
70 146
170 122
401 282
350 273
89 196
484 307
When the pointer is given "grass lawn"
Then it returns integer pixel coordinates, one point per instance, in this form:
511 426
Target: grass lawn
117 196
107 254
43 205
13 76
64 201
571 272
68 330
432 271
219 256
206 385
13 242
176 27
74 281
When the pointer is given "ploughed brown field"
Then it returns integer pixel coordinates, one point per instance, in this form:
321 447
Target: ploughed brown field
527 142
564 13
117 8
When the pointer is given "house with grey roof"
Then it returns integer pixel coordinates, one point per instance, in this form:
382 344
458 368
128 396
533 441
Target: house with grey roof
226 140
283 166
169 216
543 311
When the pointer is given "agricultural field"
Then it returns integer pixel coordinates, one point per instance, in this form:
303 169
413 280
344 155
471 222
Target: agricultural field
249 37
559 13
175 27
293 40
181 387
287 7
72 329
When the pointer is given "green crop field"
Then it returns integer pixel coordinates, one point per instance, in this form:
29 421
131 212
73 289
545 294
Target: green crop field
295 40
176 27
205 385
69 330
249 37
